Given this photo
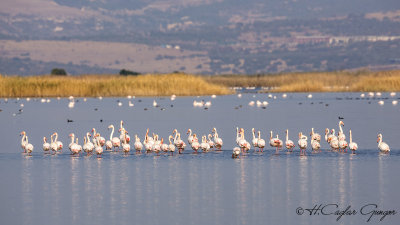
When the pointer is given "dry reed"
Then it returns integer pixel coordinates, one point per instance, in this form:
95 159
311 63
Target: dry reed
107 85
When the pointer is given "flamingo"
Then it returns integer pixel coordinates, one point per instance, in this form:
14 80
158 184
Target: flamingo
315 136
46 145
23 140
138 145
352 145
343 145
289 143
53 144
217 140
204 144
242 141
164 146
190 137
254 140
125 146
115 140
109 144
327 139
148 142
334 141
210 142
341 135
28 146
171 147
96 136
315 146
260 142
275 142
236 152
237 135
124 137
88 146
178 142
59 143
157 144
98 149
195 143
72 135
302 143
383 147
78 146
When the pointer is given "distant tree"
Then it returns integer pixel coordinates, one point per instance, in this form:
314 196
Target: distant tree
125 72
58 72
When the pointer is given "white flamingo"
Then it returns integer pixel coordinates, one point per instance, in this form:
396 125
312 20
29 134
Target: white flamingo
210 142
157 145
124 135
352 145
126 147
341 134
334 141
138 145
96 136
254 141
28 146
89 145
98 149
53 144
190 137
289 143
23 140
116 143
204 144
383 147
315 146
236 152
315 136
72 143
302 143
46 145
195 143
217 140
79 147
59 143
260 142
164 146
171 147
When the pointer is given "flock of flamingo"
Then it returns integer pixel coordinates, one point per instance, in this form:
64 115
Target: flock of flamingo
94 142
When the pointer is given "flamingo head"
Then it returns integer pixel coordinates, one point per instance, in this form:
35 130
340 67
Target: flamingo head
341 123
188 131
214 130
326 131
22 133
111 126
333 131
173 132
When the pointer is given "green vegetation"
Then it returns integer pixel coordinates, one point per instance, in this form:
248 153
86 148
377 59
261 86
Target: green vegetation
125 72
58 72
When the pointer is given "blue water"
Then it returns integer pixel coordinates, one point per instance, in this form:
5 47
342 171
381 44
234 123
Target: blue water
204 188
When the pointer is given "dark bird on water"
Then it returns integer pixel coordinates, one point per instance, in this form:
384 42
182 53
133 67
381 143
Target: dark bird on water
69 121
340 117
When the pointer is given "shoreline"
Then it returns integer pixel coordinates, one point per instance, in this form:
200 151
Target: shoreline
179 84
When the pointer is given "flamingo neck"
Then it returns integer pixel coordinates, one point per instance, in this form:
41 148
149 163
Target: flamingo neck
351 138
340 127
72 138
112 132
254 136
23 138
55 139
87 136
44 139
287 135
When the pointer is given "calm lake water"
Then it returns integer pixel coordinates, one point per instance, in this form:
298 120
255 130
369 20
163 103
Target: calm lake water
204 188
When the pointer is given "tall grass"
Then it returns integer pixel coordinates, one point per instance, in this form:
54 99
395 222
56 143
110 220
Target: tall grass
184 85
317 81
107 85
